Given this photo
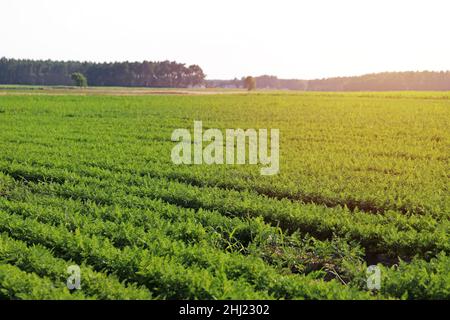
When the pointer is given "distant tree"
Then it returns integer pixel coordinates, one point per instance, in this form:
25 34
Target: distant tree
195 75
79 79
250 83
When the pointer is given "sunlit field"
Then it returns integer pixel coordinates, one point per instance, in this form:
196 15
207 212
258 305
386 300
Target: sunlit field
86 179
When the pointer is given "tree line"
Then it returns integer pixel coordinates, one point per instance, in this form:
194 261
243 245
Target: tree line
387 81
136 74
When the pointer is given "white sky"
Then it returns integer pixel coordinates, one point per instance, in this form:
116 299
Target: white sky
290 39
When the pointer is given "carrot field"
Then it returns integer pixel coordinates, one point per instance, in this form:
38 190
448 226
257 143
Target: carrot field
87 180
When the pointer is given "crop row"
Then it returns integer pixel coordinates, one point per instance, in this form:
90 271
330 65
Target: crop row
241 179
141 227
18 284
391 233
39 260
164 275
394 278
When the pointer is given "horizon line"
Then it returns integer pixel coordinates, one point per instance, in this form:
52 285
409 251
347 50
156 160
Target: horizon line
231 78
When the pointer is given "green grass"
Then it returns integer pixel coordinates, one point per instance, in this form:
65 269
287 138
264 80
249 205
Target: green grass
88 180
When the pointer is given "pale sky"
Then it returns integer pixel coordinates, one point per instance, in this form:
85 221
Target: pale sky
233 38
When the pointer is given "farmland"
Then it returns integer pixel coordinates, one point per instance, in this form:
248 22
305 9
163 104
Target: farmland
86 179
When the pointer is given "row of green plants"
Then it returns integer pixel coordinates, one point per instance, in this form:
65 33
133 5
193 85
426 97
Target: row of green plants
132 226
165 276
246 178
18 284
89 181
391 233
143 228
360 151
42 262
